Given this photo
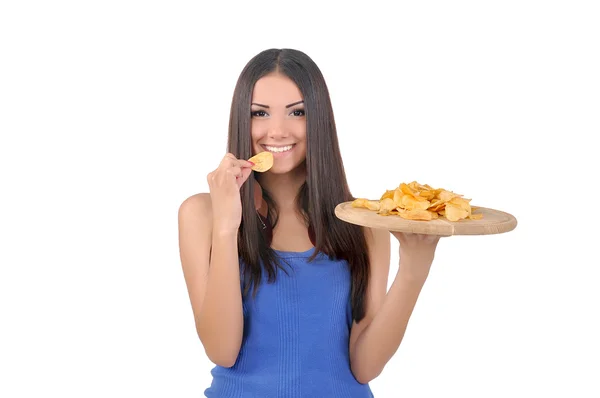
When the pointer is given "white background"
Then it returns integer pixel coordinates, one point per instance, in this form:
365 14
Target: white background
113 112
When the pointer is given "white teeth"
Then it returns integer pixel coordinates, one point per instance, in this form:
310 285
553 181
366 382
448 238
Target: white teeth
279 149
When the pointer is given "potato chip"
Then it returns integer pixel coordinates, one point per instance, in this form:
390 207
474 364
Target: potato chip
386 205
406 189
461 203
421 202
415 214
360 202
398 197
455 213
437 208
373 205
410 202
446 196
263 161
437 202
387 194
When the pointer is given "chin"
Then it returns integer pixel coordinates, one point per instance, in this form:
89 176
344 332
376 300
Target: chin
285 168
280 170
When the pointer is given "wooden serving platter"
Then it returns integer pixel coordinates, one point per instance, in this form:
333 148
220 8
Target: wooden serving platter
493 222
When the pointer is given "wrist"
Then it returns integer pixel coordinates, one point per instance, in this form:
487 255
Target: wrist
225 232
411 275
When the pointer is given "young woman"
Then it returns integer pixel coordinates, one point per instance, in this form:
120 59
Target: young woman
288 300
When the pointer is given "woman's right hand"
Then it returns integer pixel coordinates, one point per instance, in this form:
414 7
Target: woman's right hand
224 184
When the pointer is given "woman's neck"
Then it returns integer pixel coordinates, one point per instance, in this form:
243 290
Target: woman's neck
283 188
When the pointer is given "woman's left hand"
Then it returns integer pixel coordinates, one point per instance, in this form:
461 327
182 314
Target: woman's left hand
416 254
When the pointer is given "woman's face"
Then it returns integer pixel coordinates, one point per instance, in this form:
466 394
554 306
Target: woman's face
278 123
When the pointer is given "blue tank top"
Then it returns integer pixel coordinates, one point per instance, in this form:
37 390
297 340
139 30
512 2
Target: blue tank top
296 336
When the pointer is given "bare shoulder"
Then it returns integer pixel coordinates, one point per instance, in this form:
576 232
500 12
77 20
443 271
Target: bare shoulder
195 230
197 205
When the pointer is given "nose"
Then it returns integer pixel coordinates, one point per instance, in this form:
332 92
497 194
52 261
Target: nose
277 129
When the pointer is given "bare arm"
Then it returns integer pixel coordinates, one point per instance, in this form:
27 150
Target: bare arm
364 366
212 280
381 338
377 338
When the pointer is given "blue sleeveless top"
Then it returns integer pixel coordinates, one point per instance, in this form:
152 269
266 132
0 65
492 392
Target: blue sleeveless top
296 336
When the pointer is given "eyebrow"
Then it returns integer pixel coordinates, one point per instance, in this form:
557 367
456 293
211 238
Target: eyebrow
287 106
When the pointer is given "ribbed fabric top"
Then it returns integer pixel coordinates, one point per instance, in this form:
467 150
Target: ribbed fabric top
296 336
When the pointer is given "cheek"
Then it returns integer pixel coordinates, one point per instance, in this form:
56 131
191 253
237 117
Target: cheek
300 138
301 146
302 151
256 135
254 131
299 131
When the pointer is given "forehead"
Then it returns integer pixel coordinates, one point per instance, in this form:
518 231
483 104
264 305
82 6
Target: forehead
276 89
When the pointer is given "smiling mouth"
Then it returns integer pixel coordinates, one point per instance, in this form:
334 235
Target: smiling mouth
279 149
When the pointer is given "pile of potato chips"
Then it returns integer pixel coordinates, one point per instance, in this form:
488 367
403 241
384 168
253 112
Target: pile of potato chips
414 201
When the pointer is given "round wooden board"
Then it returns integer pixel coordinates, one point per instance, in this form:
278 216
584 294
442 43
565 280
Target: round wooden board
493 222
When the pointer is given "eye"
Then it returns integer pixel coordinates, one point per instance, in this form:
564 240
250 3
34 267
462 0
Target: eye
258 113
298 112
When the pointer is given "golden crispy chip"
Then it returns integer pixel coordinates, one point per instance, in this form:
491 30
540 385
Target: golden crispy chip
436 202
386 205
387 194
415 214
360 202
406 189
447 195
421 198
398 194
263 161
373 205
368 204
437 208
455 213
427 195
409 202
461 203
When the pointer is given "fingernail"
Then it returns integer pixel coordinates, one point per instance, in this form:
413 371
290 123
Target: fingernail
252 163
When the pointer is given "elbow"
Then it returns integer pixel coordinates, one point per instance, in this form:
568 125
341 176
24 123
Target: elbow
219 354
365 379
222 349
222 359
366 374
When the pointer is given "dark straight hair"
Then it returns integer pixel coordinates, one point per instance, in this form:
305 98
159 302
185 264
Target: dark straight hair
325 187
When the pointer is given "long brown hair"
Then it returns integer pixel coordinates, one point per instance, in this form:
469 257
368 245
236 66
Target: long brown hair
325 187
